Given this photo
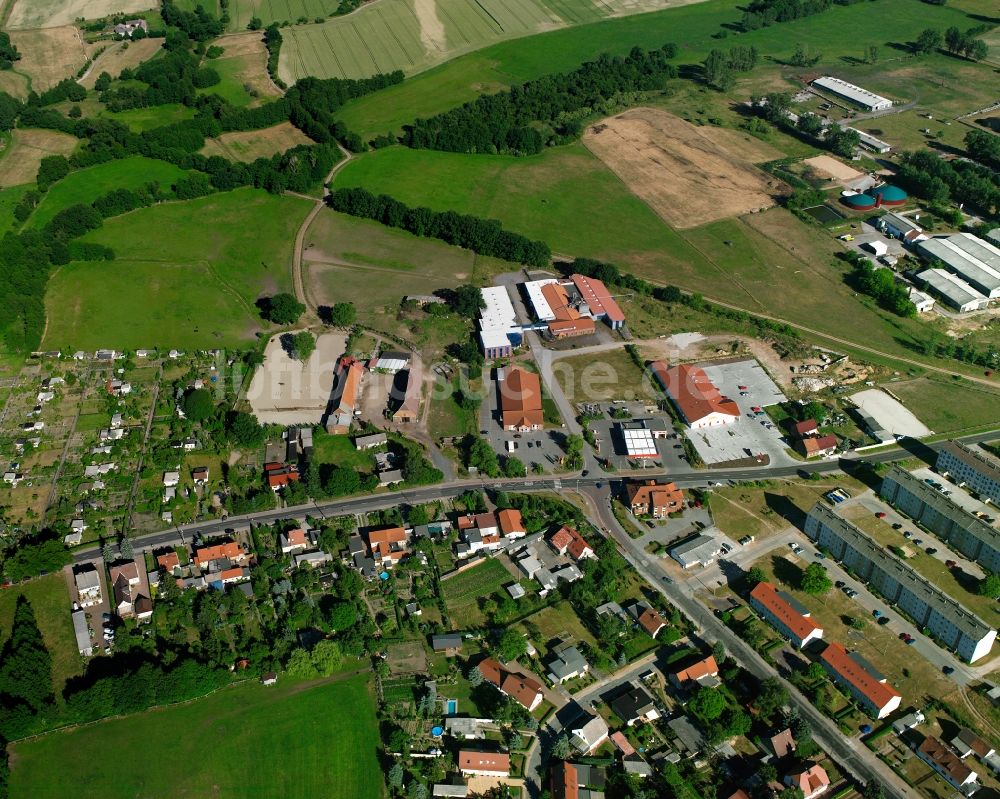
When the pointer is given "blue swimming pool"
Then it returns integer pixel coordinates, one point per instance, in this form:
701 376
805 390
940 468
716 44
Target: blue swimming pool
451 707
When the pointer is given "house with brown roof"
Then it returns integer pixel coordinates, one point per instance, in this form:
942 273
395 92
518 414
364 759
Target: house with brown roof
349 382
946 763
294 541
807 427
695 396
520 399
860 679
566 540
231 551
816 446
812 781
647 618
577 781
783 743
968 743
279 475
168 561
483 764
525 690
388 545
785 614
703 672
649 498
511 524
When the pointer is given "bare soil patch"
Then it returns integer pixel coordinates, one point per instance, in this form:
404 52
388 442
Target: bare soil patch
237 44
49 55
245 58
252 144
118 57
687 176
28 148
828 166
741 144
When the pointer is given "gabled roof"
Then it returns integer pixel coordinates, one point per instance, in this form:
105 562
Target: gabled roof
872 686
381 541
693 391
521 689
810 780
653 494
491 671
767 595
219 551
783 743
936 752
521 398
510 521
651 621
804 427
168 560
700 668
469 760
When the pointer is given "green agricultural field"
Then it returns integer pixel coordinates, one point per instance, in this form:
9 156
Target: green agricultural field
932 399
86 185
140 119
187 274
603 376
401 34
49 598
290 740
463 591
240 11
9 198
840 31
568 198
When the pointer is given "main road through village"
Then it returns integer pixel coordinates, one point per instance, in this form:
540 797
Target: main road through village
596 490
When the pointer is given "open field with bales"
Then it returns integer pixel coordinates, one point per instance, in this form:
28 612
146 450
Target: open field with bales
28 146
52 13
86 185
49 55
177 279
227 743
684 173
839 31
249 145
415 35
50 601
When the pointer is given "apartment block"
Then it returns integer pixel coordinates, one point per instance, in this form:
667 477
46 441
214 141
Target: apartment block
972 467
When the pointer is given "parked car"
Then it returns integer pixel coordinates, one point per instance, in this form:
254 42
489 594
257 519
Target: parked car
877 613
931 551
883 620
850 592
897 526
948 669
880 515
950 564
840 583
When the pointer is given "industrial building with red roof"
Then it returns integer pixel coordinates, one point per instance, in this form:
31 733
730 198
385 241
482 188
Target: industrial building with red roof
521 400
785 614
695 396
861 681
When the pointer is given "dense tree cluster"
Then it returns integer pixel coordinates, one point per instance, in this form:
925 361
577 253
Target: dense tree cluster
66 89
312 102
881 284
198 25
484 236
25 674
508 121
8 51
966 44
984 147
721 67
762 13
174 77
33 557
272 41
928 175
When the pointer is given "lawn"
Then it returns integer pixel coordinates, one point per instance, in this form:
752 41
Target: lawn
188 274
339 450
932 399
840 31
569 199
609 375
50 601
224 745
140 119
463 591
554 623
86 185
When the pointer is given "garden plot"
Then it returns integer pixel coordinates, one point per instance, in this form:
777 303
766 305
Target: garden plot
686 174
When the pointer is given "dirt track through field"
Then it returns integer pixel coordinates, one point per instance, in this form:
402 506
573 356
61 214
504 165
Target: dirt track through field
685 174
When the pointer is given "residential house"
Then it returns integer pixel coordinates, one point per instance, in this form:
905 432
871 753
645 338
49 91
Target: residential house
647 618
449 643
968 743
441 789
468 729
816 446
511 524
349 382
783 743
279 475
127 30
524 690
388 546
619 740
634 704
520 399
637 766
483 764
200 475
142 608
588 733
88 586
566 540
313 559
859 678
649 498
296 540
567 664
812 781
948 764
390 477
577 781
785 614
230 551
805 428
703 672
171 479
169 561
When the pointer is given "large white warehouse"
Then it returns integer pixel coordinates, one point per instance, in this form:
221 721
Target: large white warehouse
848 91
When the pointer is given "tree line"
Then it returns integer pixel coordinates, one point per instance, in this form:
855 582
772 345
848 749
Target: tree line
525 118
483 236
764 13
928 175
174 77
8 51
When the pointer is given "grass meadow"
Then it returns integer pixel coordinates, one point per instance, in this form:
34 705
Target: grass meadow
49 598
187 274
463 591
839 35
568 198
294 740
86 185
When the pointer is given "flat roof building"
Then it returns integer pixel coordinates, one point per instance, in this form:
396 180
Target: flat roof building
536 297
854 674
499 331
973 467
963 532
953 290
951 624
786 615
855 94
699 551
974 260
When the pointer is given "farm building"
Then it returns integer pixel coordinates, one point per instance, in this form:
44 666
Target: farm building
409 408
855 94
499 332
923 302
858 202
869 142
953 290
900 227
520 399
695 396
974 260
349 380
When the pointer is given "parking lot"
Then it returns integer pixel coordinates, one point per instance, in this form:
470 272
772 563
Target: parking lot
611 445
748 384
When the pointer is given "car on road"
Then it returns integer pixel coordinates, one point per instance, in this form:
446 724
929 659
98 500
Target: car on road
877 613
931 551
897 526
850 592
950 564
880 515
598 485
948 669
840 584
747 539
883 619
